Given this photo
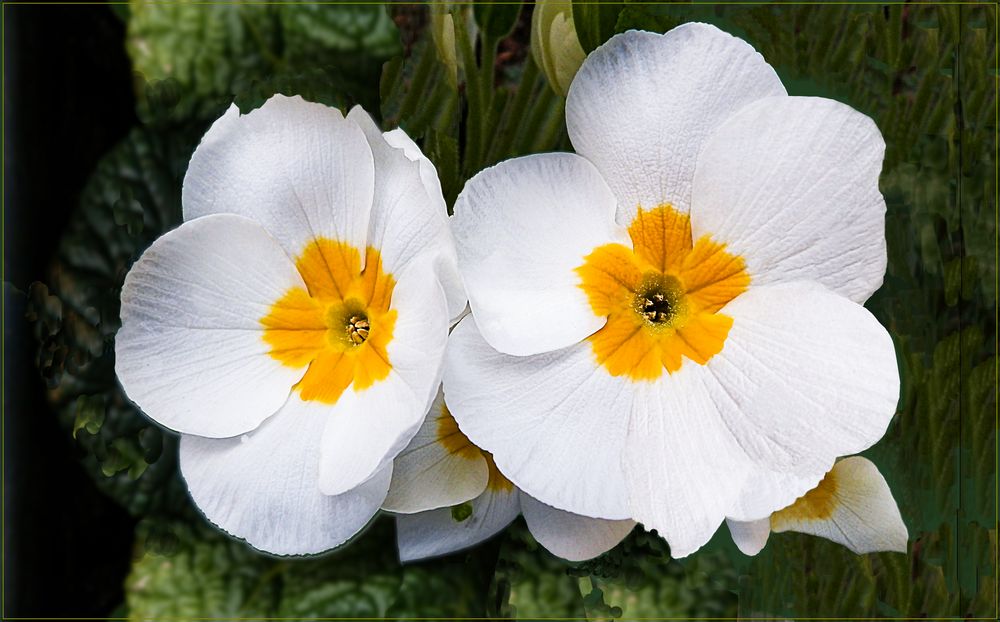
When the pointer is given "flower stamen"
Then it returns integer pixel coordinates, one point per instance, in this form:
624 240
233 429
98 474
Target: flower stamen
357 329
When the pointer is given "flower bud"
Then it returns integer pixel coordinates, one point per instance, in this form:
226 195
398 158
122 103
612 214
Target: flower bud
554 44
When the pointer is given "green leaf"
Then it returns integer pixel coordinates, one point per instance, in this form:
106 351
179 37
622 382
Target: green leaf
595 23
211 53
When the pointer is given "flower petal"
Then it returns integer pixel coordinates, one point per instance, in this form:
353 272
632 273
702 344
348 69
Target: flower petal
555 423
643 104
409 216
571 536
791 185
446 530
191 350
439 468
264 487
854 507
299 169
805 375
522 228
367 428
750 537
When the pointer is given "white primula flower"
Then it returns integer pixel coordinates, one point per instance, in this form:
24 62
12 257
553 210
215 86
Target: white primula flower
293 328
852 506
667 326
449 495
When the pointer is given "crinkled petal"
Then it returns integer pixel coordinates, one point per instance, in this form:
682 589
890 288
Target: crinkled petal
791 185
409 218
263 487
854 508
750 537
191 351
299 169
571 536
446 530
522 228
439 468
368 427
555 423
643 104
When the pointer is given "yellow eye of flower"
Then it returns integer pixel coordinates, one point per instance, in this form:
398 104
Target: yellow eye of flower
458 444
340 327
662 298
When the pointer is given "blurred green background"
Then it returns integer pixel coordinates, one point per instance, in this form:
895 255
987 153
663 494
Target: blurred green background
927 75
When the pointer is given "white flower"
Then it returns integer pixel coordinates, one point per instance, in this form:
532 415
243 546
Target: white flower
852 506
292 329
449 495
668 326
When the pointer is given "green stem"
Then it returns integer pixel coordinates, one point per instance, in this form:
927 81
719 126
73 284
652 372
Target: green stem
473 94
548 136
514 113
418 85
540 108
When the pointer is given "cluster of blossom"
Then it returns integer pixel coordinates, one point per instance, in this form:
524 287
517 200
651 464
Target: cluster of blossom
664 327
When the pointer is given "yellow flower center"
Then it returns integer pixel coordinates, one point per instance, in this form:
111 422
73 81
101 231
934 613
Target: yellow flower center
339 326
458 444
662 297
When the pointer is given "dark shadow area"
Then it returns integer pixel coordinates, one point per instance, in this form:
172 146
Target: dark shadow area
67 99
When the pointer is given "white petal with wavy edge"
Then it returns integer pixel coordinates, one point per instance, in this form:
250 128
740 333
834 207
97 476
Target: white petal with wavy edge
805 375
522 227
571 536
791 185
264 486
751 536
299 169
409 218
857 510
555 423
367 428
439 532
766 487
430 473
643 104
190 351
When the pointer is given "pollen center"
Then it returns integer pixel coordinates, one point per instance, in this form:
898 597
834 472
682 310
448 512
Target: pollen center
661 297
339 326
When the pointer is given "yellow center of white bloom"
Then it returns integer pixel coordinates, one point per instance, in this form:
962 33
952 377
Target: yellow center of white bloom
339 326
662 297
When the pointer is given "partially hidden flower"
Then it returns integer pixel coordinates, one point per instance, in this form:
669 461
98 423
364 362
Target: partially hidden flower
449 495
852 505
555 46
292 328
668 325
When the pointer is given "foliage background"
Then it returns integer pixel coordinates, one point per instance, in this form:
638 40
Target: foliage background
927 76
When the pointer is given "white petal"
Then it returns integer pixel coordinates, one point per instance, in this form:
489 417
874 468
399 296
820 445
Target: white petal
428 172
750 537
643 104
805 375
865 518
426 475
767 488
299 169
555 423
409 218
522 228
190 351
791 185
263 487
369 427
571 536
683 466
438 532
